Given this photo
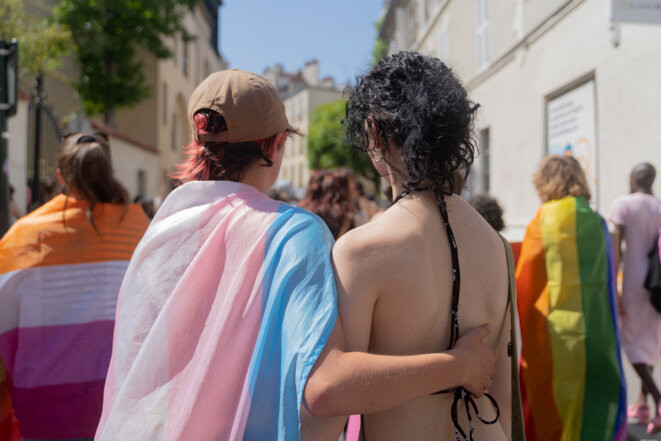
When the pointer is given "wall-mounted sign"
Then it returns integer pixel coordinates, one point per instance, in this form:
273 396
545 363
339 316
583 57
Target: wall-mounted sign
636 11
571 128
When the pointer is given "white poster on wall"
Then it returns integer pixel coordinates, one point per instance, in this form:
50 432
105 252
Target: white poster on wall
636 11
572 130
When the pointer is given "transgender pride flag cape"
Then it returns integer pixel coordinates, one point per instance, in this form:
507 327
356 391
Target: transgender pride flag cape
225 307
573 387
59 281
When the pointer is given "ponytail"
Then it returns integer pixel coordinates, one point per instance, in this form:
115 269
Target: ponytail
85 165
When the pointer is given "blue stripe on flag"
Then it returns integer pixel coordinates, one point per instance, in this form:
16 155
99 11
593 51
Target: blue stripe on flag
299 313
612 296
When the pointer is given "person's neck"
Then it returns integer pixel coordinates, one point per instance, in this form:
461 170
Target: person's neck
642 190
397 185
76 194
423 197
258 177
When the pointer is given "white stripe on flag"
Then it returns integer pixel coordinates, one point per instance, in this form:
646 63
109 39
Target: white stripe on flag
60 294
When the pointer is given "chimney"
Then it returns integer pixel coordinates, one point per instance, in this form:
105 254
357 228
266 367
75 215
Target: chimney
273 74
310 73
328 82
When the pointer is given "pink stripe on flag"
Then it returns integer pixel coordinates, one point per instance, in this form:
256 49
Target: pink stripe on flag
353 428
50 355
186 332
222 315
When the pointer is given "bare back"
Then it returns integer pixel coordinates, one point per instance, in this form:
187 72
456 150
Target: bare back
404 305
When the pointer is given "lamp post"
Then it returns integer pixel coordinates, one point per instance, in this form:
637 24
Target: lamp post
8 102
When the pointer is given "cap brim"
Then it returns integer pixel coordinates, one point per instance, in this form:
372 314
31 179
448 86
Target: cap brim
292 129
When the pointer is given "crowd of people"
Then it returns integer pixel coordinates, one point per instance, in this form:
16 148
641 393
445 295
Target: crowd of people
232 315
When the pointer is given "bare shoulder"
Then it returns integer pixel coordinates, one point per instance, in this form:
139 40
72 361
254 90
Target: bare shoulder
481 250
374 251
473 228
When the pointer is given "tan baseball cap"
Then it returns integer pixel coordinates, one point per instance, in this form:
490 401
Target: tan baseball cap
251 106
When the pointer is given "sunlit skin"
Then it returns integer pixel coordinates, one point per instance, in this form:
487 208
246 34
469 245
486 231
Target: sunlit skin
343 383
394 288
263 178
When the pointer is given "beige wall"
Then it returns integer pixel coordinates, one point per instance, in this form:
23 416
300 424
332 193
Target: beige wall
128 160
534 12
147 121
295 164
628 94
571 38
299 109
139 122
170 110
458 18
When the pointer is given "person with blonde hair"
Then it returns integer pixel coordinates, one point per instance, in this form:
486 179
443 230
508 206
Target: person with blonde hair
571 373
559 177
60 271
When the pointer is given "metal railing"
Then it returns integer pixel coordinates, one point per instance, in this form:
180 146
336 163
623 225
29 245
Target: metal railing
44 138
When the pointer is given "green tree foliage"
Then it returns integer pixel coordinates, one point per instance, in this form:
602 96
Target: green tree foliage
108 37
380 49
42 42
327 147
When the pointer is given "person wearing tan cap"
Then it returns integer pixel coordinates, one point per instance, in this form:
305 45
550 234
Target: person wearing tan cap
227 325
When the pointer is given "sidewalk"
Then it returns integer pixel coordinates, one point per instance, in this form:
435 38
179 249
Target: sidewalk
638 432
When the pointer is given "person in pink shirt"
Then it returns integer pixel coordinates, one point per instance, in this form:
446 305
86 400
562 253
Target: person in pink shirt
638 220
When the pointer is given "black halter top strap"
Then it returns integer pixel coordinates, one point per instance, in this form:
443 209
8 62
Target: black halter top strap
460 393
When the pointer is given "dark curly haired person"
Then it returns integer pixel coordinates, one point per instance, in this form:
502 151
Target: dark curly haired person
490 210
395 274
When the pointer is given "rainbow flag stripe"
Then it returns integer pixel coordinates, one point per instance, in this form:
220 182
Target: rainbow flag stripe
572 381
59 282
226 305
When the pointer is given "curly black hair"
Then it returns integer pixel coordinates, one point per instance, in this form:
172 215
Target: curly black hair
419 107
490 210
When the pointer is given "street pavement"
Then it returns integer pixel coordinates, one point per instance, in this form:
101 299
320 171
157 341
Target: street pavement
638 432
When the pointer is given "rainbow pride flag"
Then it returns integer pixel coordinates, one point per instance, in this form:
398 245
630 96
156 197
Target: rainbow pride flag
225 307
573 387
59 281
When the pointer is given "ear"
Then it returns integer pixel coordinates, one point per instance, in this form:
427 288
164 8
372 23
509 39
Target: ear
280 139
277 143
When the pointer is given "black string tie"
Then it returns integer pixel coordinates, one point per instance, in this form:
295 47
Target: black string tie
460 393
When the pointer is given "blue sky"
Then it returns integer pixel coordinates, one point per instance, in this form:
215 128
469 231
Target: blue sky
339 33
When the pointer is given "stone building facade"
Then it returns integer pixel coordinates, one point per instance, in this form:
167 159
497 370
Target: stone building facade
146 140
552 76
302 92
